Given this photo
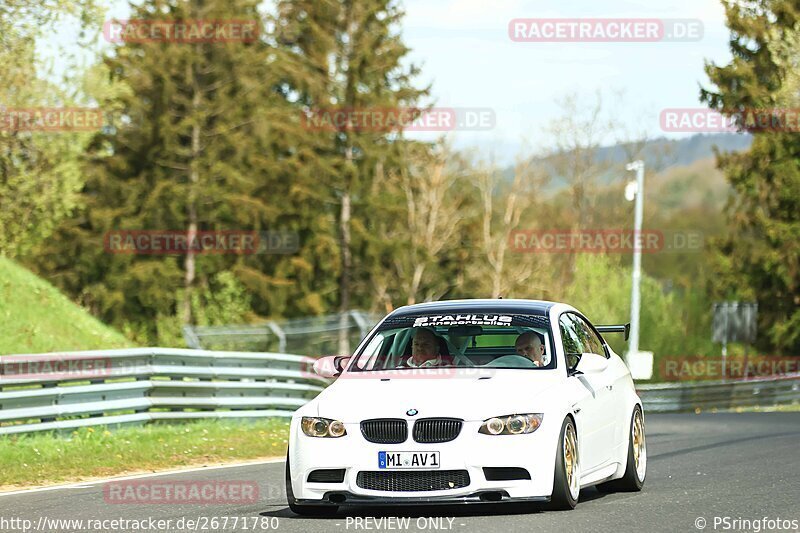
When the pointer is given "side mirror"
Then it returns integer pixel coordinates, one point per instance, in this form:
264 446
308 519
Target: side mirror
591 363
330 366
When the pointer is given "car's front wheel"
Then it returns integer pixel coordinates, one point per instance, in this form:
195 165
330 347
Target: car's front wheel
305 510
567 479
636 467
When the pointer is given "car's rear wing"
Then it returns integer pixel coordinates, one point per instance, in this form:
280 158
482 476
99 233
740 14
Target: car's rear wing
620 328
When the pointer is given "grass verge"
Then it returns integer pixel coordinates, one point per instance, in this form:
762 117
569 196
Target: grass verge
36 317
42 459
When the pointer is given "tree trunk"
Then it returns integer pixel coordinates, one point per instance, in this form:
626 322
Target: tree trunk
194 179
344 280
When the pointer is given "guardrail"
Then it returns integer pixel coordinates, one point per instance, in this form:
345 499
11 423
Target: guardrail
42 392
722 394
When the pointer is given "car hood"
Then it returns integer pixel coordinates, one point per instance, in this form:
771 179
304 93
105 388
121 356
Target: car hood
466 395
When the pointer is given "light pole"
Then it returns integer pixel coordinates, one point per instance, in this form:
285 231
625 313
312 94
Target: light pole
633 346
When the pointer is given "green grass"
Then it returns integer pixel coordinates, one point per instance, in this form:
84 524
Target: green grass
36 317
40 459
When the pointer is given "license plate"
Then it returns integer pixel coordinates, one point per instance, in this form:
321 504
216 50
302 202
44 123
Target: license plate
408 460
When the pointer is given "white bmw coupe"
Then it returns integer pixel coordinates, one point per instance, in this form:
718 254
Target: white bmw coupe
469 401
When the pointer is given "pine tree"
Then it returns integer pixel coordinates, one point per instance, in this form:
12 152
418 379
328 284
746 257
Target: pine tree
351 56
196 143
760 259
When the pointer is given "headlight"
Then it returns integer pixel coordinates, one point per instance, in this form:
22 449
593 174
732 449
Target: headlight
322 427
512 424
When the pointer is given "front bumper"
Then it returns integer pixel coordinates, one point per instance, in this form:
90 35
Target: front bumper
470 451
335 498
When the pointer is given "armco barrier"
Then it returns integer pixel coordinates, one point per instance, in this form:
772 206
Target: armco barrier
722 395
132 386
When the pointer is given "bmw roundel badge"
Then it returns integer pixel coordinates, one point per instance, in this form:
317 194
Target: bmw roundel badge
412 412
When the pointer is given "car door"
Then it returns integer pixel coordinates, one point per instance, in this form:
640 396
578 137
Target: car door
594 393
606 383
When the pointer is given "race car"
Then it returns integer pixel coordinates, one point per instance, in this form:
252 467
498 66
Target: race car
469 401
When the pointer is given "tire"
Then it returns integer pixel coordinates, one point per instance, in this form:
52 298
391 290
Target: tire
566 488
636 466
305 510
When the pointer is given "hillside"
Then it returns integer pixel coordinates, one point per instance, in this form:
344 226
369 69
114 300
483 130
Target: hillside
696 186
680 201
660 155
36 317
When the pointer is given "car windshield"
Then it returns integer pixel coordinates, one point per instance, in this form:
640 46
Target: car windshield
465 339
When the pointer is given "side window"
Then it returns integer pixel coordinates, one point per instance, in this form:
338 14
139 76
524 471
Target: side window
569 336
371 353
589 339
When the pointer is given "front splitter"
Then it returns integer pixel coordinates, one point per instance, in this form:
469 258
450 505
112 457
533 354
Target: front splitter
334 498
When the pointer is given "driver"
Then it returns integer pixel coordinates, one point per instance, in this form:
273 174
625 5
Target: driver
426 351
531 345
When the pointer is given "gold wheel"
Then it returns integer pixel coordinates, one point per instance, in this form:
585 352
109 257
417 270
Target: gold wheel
571 464
639 445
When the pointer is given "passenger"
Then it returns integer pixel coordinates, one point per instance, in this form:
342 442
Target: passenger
426 351
531 345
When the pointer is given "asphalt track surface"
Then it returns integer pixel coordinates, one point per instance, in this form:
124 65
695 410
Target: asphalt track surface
740 466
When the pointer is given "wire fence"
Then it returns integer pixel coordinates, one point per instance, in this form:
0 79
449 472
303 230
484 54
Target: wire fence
313 336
